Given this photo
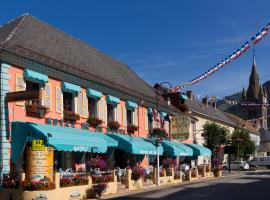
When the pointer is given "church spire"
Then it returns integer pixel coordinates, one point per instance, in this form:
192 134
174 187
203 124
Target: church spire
244 94
261 94
254 87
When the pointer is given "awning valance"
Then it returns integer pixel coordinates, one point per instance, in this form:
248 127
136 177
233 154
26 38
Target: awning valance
69 87
35 76
173 149
131 105
93 93
135 145
61 138
112 99
163 114
199 150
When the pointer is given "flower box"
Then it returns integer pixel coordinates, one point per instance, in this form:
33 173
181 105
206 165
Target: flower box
10 181
158 133
137 173
113 125
71 116
67 181
94 121
131 129
38 185
35 110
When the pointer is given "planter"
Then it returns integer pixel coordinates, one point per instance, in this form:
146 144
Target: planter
71 116
94 122
131 129
217 173
34 110
113 125
158 133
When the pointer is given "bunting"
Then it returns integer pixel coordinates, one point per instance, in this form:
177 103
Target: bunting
236 54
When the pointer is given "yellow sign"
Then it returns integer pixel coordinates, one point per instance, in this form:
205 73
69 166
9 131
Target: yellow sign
38 145
39 164
180 127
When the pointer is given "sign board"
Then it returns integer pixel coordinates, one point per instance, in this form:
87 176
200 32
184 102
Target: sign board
180 127
40 164
38 145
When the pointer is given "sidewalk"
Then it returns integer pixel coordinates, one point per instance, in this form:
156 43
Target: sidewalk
155 188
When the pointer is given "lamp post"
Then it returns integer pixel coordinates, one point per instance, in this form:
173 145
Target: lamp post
157 143
238 141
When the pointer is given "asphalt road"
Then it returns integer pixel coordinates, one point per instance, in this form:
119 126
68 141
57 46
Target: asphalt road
249 186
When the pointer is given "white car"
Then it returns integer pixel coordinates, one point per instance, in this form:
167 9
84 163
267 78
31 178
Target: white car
234 165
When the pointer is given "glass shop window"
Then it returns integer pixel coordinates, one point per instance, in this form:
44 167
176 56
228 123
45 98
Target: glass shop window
92 107
110 112
68 101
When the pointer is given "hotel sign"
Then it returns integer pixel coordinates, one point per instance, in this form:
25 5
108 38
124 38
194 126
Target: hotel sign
180 127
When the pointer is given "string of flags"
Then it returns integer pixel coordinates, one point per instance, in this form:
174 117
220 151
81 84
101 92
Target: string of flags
236 54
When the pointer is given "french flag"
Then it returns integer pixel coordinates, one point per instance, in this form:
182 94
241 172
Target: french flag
264 31
257 38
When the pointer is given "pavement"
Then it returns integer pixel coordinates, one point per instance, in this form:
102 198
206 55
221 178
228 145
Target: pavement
245 185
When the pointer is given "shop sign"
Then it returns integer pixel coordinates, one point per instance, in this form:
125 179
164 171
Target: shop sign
40 164
180 127
38 145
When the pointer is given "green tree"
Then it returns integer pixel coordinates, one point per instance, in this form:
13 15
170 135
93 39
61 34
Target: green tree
214 136
246 146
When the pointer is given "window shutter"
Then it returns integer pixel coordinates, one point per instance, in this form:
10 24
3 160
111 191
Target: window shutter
146 120
104 111
20 86
79 104
59 100
118 113
124 110
47 96
136 117
100 109
85 105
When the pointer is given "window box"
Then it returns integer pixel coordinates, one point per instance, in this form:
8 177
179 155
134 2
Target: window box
94 121
131 129
35 110
71 116
159 133
113 125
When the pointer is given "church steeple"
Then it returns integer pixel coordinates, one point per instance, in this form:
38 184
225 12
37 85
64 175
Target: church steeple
254 86
261 94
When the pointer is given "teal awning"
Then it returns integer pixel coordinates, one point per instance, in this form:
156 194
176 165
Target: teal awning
173 149
184 96
199 150
112 99
35 76
163 114
130 104
69 87
93 93
149 110
61 138
135 145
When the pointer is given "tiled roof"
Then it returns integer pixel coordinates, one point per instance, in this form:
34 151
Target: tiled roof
208 111
34 39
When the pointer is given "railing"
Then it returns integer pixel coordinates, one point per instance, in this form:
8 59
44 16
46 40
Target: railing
70 179
102 176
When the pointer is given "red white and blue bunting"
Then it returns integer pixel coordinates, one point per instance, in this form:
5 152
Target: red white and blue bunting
236 54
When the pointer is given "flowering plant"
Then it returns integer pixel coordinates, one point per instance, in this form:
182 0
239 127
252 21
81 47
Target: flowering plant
216 164
137 173
98 163
131 128
10 181
42 184
159 133
168 162
94 121
102 179
193 173
113 125
98 189
67 181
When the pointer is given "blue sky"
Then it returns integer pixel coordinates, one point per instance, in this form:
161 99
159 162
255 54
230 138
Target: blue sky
167 40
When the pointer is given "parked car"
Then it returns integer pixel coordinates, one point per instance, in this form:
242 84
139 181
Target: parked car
261 161
234 165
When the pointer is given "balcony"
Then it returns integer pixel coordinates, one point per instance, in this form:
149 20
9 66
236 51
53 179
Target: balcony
71 116
34 108
22 96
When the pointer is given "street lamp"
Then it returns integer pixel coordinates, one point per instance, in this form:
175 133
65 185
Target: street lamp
157 143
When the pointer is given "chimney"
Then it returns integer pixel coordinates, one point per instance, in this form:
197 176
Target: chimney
190 95
205 101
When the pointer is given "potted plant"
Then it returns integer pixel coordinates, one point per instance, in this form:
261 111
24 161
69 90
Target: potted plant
131 128
98 163
68 115
159 133
168 162
35 110
216 167
113 125
100 188
94 121
137 173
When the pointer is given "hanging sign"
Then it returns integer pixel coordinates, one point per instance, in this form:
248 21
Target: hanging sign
180 127
38 145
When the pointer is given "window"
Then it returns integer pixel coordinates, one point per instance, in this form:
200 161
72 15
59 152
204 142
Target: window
31 86
130 117
110 112
92 107
68 101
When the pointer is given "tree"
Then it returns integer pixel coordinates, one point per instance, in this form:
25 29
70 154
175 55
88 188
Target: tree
214 136
246 146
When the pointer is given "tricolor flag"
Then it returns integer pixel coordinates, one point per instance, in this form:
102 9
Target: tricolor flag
264 31
257 38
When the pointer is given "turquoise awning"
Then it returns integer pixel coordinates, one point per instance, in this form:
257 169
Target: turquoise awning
69 87
93 93
149 110
112 99
61 138
135 145
173 149
35 76
199 150
163 114
131 104
184 96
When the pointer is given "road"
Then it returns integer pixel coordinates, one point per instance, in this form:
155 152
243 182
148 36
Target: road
248 186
